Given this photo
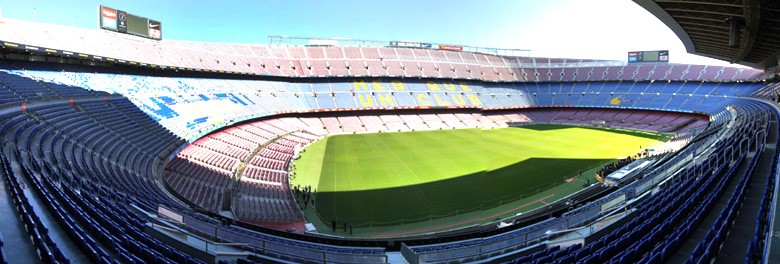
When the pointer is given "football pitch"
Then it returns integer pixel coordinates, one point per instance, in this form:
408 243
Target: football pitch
394 178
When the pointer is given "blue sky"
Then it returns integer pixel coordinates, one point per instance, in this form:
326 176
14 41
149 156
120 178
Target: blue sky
600 29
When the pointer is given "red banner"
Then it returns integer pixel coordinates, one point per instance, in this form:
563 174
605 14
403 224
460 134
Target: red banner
108 12
450 47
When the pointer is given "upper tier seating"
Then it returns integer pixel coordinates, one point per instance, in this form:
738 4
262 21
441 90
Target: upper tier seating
297 61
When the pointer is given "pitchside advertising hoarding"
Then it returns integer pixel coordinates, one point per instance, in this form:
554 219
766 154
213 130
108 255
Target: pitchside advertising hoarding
648 56
123 22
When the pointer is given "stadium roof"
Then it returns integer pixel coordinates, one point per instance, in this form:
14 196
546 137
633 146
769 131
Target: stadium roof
703 26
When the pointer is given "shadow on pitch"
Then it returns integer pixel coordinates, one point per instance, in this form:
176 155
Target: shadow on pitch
432 200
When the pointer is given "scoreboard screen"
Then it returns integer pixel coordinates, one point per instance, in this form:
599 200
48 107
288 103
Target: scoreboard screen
121 21
137 25
648 56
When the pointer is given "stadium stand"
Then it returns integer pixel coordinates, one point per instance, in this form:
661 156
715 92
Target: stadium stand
56 128
103 149
2 250
282 60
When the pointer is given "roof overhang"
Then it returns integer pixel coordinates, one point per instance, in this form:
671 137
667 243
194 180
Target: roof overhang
703 26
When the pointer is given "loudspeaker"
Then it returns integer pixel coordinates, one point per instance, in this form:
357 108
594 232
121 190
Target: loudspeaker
734 31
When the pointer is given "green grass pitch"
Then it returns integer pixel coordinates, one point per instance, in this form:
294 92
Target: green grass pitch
385 178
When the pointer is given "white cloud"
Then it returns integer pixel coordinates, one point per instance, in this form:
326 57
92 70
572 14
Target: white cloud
602 29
